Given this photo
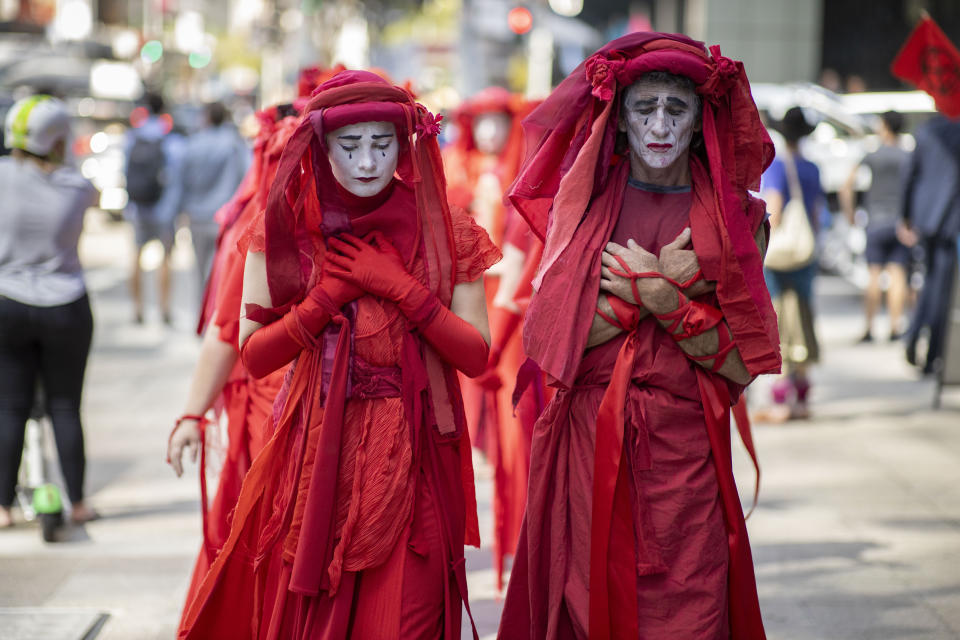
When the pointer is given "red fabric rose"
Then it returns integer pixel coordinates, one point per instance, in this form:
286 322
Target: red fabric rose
725 73
601 72
429 124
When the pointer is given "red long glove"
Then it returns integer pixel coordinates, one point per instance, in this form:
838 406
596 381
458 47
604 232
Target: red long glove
378 269
277 343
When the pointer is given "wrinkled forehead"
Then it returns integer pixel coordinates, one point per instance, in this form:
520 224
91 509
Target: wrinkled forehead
360 130
655 91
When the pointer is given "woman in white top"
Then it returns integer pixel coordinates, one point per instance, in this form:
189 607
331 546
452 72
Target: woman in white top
45 320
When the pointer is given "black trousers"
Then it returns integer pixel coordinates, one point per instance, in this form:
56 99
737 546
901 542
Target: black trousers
934 301
49 346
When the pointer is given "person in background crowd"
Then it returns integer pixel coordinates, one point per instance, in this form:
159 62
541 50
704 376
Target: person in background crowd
931 214
215 160
885 252
151 160
792 291
480 164
45 321
633 527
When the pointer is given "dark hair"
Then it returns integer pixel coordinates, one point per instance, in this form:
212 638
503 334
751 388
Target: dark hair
794 125
153 102
216 113
893 120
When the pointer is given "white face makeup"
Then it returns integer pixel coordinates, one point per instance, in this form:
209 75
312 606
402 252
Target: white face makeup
490 132
659 119
363 156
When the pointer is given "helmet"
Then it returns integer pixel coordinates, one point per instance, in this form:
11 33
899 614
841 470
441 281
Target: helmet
34 124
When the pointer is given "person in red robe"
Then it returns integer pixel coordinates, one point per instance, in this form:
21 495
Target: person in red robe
351 522
637 178
482 161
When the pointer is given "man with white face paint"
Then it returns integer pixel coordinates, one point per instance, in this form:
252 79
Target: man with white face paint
637 178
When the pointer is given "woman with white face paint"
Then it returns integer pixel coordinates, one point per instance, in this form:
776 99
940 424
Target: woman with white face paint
355 514
637 177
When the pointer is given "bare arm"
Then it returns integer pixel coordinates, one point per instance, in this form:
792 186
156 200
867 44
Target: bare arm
213 367
847 197
511 273
255 291
469 302
774 200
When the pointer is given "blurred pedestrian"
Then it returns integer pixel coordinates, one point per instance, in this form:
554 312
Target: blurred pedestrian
931 212
885 253
150 163
792 290
45 321
651 316
215 160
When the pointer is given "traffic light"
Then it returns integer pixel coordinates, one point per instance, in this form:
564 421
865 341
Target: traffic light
520 20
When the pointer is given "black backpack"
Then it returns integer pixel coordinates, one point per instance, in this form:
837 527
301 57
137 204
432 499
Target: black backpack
145 170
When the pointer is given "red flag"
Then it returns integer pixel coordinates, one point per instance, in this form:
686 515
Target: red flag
929 60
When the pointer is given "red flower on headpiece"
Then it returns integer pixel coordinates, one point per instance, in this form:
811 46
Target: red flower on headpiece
602 74
725 73
429 124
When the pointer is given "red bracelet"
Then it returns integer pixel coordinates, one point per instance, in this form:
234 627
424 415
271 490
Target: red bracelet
690 318
202 421
625 316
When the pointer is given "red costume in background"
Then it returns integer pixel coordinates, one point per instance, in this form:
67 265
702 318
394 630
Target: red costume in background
352 520
633 525
477 181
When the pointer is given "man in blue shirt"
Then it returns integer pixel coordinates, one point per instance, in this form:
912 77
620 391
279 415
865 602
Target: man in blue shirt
215 160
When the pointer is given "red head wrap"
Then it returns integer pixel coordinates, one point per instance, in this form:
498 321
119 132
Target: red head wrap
570 142
347 98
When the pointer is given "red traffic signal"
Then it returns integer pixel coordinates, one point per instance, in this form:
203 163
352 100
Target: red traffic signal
520 20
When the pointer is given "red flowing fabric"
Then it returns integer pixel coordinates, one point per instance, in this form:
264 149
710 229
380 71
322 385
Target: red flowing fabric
324 507
572 169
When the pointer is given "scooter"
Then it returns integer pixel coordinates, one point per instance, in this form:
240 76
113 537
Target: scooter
39 498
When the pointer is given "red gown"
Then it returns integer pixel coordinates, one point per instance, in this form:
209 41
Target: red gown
399 510
680 552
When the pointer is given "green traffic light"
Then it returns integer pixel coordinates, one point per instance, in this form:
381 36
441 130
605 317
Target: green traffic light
199 60
151 51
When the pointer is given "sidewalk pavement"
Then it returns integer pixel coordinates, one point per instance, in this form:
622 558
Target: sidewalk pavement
856 535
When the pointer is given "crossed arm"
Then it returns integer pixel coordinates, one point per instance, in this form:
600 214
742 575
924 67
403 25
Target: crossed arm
659 296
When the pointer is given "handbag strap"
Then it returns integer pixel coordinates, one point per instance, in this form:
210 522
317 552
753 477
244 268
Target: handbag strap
793 178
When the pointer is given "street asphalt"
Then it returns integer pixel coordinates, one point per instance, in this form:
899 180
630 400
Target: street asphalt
856 535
